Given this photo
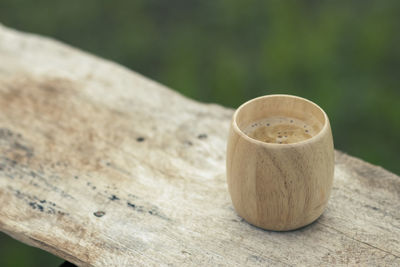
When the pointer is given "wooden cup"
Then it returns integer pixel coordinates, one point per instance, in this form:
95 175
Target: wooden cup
279 186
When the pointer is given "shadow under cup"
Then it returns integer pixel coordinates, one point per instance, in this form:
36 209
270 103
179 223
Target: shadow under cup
280 186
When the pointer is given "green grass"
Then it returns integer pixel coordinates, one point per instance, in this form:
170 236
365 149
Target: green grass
15 254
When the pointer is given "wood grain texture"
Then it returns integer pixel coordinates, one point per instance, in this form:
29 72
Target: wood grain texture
104 167
280 186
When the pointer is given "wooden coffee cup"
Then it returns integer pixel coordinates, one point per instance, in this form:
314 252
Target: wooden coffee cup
279 186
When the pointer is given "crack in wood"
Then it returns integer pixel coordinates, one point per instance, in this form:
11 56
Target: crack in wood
360 241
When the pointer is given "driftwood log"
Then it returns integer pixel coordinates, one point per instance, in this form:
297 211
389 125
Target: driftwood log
103 167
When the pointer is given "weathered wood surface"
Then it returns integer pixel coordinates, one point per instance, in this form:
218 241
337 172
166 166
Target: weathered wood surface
81 136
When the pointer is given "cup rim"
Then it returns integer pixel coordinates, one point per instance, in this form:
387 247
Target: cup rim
257 142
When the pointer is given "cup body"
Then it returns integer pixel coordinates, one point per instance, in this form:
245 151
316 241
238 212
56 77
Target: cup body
279 186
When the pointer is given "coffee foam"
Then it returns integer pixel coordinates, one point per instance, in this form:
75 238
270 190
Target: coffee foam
281 130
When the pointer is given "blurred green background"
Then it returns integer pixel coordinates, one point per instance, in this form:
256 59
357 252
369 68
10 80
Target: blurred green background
343 55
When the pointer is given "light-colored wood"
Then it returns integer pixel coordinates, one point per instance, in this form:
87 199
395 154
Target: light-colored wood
280 186
69 151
